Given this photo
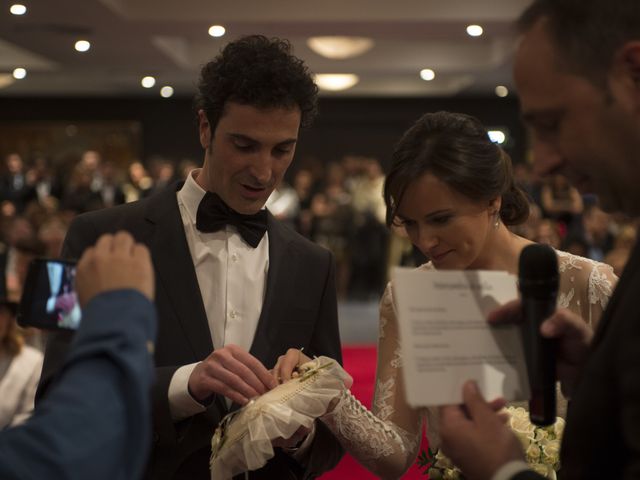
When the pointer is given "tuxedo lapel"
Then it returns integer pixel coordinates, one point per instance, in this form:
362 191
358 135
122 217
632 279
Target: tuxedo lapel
279 278
175 271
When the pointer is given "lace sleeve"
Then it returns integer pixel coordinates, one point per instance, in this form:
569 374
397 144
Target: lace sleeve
585 286
385 440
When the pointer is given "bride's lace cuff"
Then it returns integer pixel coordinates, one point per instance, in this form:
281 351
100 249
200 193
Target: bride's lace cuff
367 437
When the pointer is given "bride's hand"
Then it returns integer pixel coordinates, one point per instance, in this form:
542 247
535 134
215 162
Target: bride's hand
287 363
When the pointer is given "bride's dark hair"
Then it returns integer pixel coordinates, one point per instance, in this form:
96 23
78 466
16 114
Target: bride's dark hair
456 149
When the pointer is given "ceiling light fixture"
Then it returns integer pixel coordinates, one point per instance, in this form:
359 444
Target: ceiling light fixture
18 9
427 74
82 45
502 91
148 82
19 73
474 30
217 30
336 81
339 47
166 91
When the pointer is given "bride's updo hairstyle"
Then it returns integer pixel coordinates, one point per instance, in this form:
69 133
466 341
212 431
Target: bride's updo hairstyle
456 149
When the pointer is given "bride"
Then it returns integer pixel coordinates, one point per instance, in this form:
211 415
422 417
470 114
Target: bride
452 190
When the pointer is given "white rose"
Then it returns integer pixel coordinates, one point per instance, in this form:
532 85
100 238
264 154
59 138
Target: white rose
551 453
533 453
442 461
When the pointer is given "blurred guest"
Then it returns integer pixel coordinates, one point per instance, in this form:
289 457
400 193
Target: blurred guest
547 233
139 183
303 183
284 204
623 245
163 173
83 194
90 163
111 189
14 188
46 183
596 225
561 201
51 234
20 367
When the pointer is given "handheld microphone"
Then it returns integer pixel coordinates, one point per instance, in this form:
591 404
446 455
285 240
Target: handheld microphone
538 283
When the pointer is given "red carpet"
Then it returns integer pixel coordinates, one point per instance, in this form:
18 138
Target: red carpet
360 362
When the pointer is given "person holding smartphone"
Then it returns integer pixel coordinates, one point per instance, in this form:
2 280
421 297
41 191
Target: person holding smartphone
95 420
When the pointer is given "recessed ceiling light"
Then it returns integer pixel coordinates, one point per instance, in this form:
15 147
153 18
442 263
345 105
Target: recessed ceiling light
82 45
340 47
166 91
217 30
18 9
148 82
502 91
474 30
19 73
336 81
427 74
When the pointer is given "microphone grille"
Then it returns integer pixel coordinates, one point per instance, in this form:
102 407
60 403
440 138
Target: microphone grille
538 263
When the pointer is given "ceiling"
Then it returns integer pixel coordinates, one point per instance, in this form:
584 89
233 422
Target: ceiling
169 40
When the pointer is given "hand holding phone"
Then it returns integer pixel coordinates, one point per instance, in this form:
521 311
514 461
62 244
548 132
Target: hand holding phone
55 289
115 262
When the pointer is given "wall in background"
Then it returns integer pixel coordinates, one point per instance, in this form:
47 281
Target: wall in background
361 126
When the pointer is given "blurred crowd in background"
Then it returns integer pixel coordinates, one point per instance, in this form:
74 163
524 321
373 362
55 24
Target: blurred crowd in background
338 205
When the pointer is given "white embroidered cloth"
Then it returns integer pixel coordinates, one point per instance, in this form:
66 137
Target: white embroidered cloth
242 441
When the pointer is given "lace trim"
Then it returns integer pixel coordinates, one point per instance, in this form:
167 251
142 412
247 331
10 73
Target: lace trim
600 287
369 435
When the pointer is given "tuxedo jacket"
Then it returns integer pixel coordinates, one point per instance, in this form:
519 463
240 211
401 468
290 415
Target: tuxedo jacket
299 310
95 419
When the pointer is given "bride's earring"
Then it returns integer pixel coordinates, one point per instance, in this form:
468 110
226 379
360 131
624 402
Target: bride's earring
496 224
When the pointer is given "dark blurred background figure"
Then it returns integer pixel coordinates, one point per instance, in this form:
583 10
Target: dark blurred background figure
15 191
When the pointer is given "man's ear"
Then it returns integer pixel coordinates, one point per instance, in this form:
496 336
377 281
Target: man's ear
626 72
204 129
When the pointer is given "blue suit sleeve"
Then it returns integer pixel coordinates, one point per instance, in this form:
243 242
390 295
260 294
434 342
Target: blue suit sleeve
95 421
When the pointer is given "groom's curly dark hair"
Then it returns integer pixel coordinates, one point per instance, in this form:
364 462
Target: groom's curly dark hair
257 71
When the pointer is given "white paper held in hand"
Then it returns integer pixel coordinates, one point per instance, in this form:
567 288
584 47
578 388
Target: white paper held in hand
446 340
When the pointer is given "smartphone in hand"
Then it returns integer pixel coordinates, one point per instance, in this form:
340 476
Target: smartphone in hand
49 299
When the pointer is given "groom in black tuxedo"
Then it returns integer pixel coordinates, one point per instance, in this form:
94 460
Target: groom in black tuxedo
235 288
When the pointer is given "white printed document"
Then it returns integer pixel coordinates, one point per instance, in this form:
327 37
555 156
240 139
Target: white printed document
446 340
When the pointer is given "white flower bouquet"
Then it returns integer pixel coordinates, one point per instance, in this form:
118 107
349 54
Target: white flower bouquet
540 444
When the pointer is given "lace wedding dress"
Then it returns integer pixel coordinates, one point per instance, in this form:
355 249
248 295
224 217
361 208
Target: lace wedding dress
386 440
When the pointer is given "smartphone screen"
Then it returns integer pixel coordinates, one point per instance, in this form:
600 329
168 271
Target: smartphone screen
49 299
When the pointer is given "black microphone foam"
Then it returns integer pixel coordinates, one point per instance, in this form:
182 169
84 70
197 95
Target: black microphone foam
538 282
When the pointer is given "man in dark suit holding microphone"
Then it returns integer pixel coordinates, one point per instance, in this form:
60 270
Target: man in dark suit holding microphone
577 70
235 287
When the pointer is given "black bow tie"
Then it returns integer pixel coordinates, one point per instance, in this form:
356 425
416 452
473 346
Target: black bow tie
213 214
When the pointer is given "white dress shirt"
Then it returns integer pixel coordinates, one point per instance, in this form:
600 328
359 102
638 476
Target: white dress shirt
232 277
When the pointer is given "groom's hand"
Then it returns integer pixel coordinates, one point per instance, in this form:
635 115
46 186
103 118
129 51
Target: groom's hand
233 372
287 363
